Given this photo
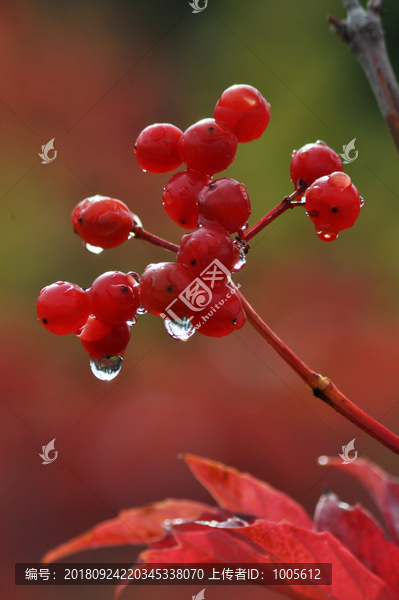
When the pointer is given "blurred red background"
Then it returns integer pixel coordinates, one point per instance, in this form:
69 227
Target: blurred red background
92 76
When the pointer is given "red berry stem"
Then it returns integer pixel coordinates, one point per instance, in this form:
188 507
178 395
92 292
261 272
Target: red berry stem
142 234
321 386
285 204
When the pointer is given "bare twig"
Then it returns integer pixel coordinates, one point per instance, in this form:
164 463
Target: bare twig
321 386
363 33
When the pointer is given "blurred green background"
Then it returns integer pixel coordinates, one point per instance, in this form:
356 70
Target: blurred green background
92 75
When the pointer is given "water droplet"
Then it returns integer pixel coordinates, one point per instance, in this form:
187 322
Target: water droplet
93 249
293 153
314 191
361 201
184 193
180 330
144 170
132 322
321 143
303 155
241 262
106 369
141 310
327 236
340 180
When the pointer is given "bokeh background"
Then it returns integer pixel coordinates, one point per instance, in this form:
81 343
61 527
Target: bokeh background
92 75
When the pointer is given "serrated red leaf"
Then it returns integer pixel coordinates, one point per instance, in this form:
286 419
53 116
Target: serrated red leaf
383 488
141 525
265 541
358 531
242 493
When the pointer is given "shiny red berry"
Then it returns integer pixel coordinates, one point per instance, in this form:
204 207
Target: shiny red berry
114 298
333 204
156 148
179 197
102 222
161 284
94 329
202 246
113 343
62 307
313 161
208 146
244 110
224 202
223 314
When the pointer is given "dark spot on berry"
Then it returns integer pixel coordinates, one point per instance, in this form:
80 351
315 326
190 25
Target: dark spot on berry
45 321
108 357
183 222
211 128
80 219
314 213
334 209
234 321
193 262
170 288
135 146
211 186
124 289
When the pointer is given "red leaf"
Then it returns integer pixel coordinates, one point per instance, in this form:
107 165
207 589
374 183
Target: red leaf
242 493
135 526
265 541
383 488
358 531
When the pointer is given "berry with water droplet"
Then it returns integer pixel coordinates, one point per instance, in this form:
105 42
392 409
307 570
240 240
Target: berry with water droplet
202 246
244 110
156 148
223 314
208 146
313 161
113 343
179 197
102 222
62 307
161 284
333 203
114 297
224 202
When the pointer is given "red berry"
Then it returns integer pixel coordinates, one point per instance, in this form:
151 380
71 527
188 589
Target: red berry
114 298
156 148
313 161
244 110
208 146
94 329
202 246
114 343
102 222
62 307
224 202
179 197
333 204
223 314
161 284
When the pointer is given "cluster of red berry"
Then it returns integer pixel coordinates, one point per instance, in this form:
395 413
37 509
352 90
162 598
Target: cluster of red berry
196 292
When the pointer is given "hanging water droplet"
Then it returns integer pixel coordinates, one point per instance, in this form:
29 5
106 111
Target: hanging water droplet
106 368
141 310
241 262
327 236
93 249
132 322
180 330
